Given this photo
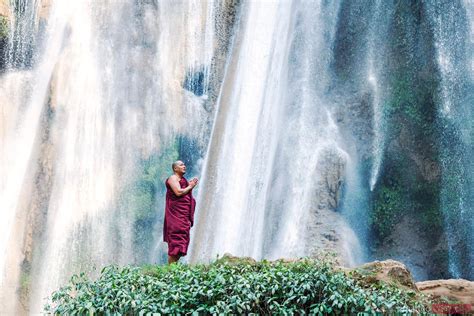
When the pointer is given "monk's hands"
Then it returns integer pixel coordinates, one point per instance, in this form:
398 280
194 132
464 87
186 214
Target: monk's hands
193 182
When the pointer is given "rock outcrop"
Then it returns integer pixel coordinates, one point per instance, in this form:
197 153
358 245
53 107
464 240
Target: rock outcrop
4 31
389 271
44 9
407 243
4 8
454 289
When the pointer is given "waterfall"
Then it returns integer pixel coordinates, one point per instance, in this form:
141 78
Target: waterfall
375 77
273 136
101 127
467 136
72 143
454 37
22 93
244 97
22 39
310 124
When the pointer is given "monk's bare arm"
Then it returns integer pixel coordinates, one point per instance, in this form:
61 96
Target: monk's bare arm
174 184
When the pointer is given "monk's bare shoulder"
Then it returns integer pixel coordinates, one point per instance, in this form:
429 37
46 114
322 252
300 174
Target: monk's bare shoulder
174 180
173 177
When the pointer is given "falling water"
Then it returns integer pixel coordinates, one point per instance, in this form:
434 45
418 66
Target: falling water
100 135
454 37
21 92
279 105
468 136
22 38
273 134
90 110
375 73
245 98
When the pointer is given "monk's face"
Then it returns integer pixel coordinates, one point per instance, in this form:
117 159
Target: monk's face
180 168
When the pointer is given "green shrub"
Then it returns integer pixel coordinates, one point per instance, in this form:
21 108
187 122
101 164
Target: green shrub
242 287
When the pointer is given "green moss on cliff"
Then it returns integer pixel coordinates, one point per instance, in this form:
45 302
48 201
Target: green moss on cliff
410 180
389 207
140 197
4 27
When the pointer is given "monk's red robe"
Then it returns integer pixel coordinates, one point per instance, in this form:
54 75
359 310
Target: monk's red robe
179 218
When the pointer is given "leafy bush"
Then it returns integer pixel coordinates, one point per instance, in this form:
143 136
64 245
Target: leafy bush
305 286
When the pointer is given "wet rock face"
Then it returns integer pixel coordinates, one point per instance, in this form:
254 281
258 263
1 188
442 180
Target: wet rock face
408 242
194 81
327 228
409 186
419 153
4 8
328 188
4 31
395 272
227 13
329 231
44 9
454 289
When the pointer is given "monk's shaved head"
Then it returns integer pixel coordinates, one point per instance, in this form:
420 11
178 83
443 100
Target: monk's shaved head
176 163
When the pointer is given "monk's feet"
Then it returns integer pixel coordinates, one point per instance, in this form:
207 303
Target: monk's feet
173 259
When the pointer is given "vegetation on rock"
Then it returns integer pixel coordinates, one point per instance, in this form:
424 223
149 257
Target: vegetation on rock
3 27
141 196
4 32
234 286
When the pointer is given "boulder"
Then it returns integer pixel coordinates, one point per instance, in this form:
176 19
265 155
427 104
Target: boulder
454 289
230 259
4 8
44 9
389 271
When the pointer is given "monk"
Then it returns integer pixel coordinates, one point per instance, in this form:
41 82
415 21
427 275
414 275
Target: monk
179 212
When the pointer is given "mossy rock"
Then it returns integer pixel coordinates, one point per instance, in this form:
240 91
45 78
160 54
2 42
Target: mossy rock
229 259
388 271
4 27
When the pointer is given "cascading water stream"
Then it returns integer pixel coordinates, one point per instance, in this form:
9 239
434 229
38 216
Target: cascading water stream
229 171
22 39
468 135
453 34
297 103
272 135
309 147
86 117
23 93
101 135
376 52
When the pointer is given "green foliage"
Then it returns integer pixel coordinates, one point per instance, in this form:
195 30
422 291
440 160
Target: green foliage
428 208
4 27
386 211
392 201
412 104
306 286
140 198
411 111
